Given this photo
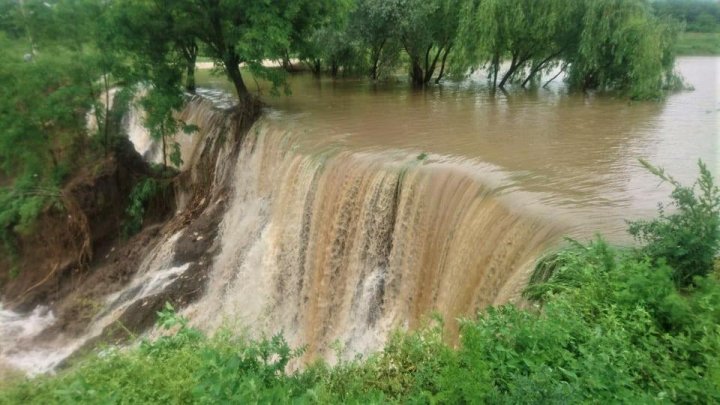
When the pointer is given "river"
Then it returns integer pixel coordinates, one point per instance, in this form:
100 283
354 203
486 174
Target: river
576 154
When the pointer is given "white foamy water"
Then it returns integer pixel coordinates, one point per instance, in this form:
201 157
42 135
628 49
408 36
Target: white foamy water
18 350
17 330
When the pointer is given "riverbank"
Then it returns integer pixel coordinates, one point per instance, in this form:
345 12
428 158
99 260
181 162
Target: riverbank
698 44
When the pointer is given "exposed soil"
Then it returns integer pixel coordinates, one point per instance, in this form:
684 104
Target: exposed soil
77 256
59 251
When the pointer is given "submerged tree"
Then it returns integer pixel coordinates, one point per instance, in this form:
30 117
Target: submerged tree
375 24
623 46
603 44
248 32
427 31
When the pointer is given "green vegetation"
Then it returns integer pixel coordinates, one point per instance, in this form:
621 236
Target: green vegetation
142 194
48 88
688 237
702 25
698 43
607 325
602 44
698 15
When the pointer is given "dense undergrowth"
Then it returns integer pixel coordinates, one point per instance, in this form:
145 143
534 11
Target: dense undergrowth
604 325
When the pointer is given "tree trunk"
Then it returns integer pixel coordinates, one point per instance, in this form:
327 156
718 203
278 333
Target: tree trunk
106 127
190 79
286 64
416 74
517 62
190 52
509 73
316 67
442 65
232 66
430 70
496 68
375 54
535 69
164 151
562 69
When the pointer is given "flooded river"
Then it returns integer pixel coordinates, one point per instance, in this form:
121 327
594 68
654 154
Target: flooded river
571 157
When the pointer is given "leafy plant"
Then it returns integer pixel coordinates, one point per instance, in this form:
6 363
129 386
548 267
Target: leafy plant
140 196
688 236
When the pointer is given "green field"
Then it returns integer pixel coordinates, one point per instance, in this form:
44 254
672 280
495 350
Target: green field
699 43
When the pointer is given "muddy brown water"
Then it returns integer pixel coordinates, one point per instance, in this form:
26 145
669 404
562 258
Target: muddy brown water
570 157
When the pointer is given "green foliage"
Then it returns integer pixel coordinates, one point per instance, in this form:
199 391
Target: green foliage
623 46
41 111
49 71
698 43
698 15
602 44
649 342
141 195
687 237
237 373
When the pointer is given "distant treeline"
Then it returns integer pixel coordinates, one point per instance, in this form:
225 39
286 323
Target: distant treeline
698 16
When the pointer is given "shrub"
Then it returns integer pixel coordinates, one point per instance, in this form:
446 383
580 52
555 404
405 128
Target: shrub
141 195
688 237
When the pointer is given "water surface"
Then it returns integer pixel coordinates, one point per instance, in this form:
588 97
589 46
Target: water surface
572 157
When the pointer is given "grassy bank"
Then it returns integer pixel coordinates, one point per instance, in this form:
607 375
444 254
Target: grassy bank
698 43
608 325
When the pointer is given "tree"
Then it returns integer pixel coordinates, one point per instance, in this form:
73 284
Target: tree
331 43
375 24
427 30
327 16
698 16
534 35
248 32
623 46
160 49
603 44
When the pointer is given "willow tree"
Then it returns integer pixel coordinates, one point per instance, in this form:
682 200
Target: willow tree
624 46
603 44
533 34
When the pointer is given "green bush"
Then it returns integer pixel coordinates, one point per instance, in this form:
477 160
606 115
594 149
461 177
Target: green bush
687 237
144 191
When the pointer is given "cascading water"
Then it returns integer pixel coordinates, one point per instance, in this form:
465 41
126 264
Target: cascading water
342 247
326 246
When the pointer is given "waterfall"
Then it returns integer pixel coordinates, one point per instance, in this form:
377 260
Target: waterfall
341 247
333 248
